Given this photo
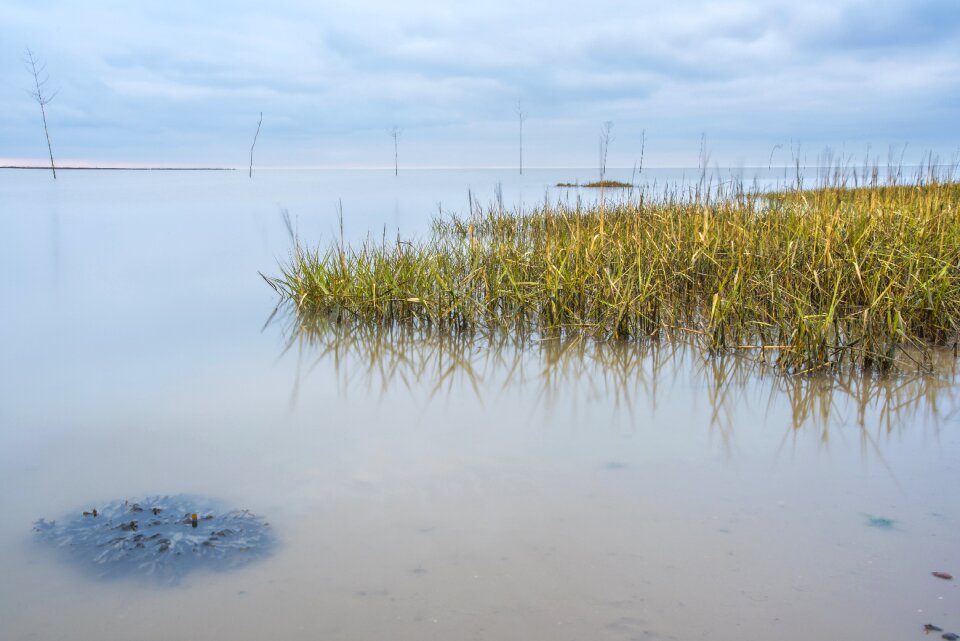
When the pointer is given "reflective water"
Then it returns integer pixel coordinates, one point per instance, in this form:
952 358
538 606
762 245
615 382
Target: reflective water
429 488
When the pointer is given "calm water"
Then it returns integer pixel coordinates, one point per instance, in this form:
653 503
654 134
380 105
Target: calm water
432 490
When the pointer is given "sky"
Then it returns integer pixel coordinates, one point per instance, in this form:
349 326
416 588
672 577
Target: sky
755 82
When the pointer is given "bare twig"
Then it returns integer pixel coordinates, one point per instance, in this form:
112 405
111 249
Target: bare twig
259 122
605 138
520 117
43 99
395 133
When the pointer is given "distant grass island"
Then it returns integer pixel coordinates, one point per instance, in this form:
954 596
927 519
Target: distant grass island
599 184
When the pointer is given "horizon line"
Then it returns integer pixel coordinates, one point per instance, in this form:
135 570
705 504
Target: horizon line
639 171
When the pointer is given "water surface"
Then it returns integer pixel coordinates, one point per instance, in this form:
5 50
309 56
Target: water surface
432 489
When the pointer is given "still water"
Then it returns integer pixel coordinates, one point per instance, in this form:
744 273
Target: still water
432 489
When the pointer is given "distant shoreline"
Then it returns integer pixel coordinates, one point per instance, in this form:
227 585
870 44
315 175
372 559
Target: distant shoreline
123 168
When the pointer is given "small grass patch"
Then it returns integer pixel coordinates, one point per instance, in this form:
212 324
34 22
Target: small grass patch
819 277
598 184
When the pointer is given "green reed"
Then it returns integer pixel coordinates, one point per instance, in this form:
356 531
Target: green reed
821 277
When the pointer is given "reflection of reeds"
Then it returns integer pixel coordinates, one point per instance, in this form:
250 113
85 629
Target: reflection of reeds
880 401
618 373
818 278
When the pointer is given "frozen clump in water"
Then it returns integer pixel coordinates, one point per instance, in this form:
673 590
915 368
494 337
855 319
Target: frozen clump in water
164 537
880 522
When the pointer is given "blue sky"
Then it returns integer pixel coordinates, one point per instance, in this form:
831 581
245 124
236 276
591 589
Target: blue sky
184 82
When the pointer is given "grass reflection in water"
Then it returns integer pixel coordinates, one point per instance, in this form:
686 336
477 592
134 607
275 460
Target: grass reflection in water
625 375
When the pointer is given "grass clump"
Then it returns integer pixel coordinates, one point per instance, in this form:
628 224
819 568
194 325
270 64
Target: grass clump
599 184
821 277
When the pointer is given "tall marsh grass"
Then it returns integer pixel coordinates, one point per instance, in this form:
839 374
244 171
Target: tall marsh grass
817 278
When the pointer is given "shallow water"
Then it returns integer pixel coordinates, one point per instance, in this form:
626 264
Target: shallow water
432 490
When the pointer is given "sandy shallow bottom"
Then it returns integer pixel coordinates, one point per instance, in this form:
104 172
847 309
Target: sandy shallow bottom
471 519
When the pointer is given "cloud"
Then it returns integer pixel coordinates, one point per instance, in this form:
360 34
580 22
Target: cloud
886 27
139 81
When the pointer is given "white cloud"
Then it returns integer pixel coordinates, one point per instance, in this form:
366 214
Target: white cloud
744 72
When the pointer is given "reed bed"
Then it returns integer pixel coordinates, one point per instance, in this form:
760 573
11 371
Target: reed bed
812 278
599 184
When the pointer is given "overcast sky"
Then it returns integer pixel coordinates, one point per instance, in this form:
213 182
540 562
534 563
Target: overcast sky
184 82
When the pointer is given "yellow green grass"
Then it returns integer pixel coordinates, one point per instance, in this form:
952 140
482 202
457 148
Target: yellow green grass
816 277
599 184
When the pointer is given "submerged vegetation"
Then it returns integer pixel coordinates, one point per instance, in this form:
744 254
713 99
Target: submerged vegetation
866 276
